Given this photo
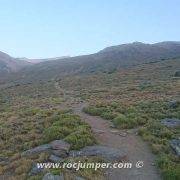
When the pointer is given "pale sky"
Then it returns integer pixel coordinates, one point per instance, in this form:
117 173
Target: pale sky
53 28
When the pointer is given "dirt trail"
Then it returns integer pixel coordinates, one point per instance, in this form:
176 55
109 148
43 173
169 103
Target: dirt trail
136 149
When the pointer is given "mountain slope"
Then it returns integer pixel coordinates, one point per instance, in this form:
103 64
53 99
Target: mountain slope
9 64
35 61
107 60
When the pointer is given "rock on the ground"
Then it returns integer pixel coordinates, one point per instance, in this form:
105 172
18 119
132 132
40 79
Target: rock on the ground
55 159
35 170
171 122
4 161
60 145
98 131
60 153
123 134
108 153
37 150
2 158
173 104
175 144
115 131
50 176
79 178
112 126
177 74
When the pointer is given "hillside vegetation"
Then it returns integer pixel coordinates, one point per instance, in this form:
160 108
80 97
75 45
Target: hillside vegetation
130 85
108 60
32 115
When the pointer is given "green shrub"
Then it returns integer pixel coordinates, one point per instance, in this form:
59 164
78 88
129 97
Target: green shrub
55 132
114 105
72 129
108 115
171 171
69 121
157 148
120 120
29 112
80 139
158 130
172 174
94 111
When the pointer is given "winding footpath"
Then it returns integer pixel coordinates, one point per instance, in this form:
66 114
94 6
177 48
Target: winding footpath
136 149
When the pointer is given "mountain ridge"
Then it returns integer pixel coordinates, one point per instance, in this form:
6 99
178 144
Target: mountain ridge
9 64
106 60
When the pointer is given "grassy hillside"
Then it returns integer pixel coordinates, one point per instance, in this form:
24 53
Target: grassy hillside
32 115
9 64
108 60
137 98
33 109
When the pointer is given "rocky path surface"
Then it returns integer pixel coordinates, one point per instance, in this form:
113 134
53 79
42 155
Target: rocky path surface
136 149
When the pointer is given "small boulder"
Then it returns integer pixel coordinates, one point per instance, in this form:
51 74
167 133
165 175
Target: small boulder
79 178
35 170
108 153
98 131
55 159
112 126
177 74
175 145
4 161
37 150
50 176
60 153
2 158
173 104
171 122
60 145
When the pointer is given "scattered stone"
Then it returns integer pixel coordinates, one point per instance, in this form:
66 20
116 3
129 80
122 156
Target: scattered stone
112 126
153 164
123 134
132 131
55 159
177 74
117 132
79 178
99 131
35 170
2 158
173 104
4 161
50 176
75 153
60 153
171 122
60 145
37 150
105 152
114 131
175 145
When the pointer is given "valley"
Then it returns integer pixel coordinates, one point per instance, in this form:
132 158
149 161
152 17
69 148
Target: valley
113 98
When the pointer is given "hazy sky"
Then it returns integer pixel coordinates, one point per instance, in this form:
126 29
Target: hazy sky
50 28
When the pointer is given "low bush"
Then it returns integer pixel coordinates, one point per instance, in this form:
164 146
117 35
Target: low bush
94 111
171 171
53 132
80 138
71 128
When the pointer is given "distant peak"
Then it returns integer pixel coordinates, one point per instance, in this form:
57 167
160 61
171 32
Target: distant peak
137 42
